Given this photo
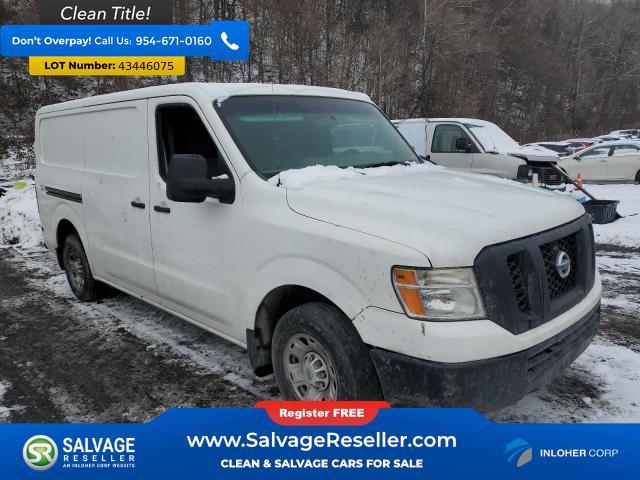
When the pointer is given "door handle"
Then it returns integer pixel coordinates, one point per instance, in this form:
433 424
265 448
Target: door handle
160 209
136 204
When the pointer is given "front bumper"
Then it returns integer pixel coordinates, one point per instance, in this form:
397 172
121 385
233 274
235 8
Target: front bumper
486 384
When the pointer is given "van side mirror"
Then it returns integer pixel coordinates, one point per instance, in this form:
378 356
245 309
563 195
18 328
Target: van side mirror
187 181
465 144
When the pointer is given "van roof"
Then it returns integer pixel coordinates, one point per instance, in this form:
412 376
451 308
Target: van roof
205 92
474 121
409 120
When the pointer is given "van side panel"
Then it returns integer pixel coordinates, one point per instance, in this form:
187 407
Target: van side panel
116 194
59 172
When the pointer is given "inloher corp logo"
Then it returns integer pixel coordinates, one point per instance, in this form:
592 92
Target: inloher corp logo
518 451
40 452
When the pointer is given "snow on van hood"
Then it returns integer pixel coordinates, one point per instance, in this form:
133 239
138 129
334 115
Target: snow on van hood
448 216
303 177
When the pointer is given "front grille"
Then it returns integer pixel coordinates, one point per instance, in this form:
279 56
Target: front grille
551 177
514 264
521 284
558 285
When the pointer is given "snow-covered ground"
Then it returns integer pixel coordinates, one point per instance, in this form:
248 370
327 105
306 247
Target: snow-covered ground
4 410
19 221
625 231
603 385
17 161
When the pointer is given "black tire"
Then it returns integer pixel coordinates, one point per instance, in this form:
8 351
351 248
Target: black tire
638 178
76 266
337 339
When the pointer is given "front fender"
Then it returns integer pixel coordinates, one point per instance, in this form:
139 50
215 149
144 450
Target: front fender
309 272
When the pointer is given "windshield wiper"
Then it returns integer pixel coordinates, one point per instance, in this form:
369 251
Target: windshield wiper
383 164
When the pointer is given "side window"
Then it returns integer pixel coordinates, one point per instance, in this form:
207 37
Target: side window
620 150
596 152
180 130
445 137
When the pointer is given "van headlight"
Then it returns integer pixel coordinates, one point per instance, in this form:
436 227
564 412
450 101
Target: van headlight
438 294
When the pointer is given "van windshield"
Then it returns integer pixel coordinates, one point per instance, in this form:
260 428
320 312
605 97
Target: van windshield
278 132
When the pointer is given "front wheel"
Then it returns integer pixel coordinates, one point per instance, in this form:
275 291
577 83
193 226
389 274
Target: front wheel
77 268
638 178
318 355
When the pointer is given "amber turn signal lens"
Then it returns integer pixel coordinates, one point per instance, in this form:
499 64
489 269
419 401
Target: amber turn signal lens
407 287
412 301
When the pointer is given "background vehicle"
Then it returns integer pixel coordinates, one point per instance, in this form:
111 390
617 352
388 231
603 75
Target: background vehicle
609 138
561 148
478 146
606 162
337 258
578 144
629 133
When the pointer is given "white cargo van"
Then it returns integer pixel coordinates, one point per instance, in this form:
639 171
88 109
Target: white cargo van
296 222
478 146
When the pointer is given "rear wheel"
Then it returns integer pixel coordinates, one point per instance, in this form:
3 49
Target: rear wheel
638 178
318 355
77 268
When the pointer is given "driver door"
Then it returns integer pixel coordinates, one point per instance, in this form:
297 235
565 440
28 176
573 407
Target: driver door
444 150
195 270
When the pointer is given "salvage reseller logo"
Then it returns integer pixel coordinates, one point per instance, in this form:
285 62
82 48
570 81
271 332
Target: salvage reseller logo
99 452
40 452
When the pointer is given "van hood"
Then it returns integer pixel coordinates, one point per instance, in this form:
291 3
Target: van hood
448 216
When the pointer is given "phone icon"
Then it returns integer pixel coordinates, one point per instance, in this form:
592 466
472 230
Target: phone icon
225 39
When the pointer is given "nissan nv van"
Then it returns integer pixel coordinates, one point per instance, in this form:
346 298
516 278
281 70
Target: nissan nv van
296 222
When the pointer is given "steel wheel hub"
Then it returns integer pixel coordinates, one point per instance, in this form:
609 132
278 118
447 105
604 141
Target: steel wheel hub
309 369
75 270
315 371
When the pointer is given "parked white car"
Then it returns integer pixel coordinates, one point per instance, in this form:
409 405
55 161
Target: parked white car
628 133
296 222
606 162
477 146
609 138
